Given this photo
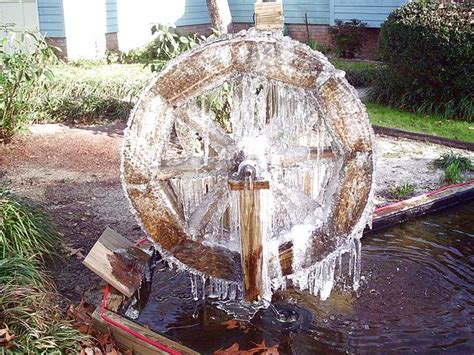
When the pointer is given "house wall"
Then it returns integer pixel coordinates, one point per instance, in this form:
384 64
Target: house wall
111 35
20 14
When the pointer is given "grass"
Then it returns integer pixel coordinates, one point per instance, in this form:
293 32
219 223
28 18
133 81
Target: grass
452 174
358 73
28 298
415 122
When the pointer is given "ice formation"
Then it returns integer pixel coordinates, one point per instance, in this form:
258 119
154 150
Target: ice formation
312 143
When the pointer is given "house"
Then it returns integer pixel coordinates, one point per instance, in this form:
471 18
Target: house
86 28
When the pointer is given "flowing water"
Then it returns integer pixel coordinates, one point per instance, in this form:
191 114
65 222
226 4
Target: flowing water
416 294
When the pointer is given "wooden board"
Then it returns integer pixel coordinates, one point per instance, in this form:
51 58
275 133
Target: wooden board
251 243
128 341
269 16
118 262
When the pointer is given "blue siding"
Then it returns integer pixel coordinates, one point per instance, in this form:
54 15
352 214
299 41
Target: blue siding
242 10
112 17
372 12
195 13
51 18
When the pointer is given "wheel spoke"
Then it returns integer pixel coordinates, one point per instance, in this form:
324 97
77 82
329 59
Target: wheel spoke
191 166
193 117
210 211
297 155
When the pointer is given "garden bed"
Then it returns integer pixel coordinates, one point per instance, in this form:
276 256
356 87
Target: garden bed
75 174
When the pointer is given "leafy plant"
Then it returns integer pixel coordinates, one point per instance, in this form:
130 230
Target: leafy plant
347 37
445 160
402 191
452 174
168 45
23 66
428 48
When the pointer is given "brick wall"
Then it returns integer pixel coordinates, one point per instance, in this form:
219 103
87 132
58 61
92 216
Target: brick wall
111 41
318 33
59 43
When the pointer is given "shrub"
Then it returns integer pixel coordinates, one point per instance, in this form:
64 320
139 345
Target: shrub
358 73
428 48
347 37
23 66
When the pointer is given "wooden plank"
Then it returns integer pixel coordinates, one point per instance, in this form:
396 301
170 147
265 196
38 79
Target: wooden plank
118 262
238 185
128 341
268 16
251 242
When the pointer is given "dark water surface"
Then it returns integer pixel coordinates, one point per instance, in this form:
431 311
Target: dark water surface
416 295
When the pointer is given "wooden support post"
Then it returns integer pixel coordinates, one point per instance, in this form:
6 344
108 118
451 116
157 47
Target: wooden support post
251 236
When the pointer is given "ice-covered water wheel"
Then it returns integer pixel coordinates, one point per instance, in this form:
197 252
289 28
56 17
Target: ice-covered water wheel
296 127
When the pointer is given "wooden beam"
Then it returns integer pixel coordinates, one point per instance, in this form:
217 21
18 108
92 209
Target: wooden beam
118 262
251 242
238 185
127 341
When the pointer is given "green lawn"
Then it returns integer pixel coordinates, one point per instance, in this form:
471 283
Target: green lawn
358 73
388 117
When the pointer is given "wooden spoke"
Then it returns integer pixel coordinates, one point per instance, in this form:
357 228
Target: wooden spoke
296 155
191 166
218 138
210 210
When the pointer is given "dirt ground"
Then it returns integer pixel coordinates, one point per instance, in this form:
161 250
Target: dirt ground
74 173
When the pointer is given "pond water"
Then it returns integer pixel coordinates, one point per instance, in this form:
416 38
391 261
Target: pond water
416 295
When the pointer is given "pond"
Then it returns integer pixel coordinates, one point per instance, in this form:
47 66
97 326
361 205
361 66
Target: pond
416 295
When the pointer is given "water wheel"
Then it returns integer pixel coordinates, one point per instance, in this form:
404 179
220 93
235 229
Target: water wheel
267 193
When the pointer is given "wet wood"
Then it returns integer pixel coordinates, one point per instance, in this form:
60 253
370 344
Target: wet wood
251 243
207 211
238 185
127 341
118 262
191 166
269 16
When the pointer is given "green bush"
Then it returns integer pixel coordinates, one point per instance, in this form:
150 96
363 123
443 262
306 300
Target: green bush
358 73
347 37
445 160
428 48
23 66
402 191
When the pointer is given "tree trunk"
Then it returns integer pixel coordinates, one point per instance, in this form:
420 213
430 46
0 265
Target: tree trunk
220 15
